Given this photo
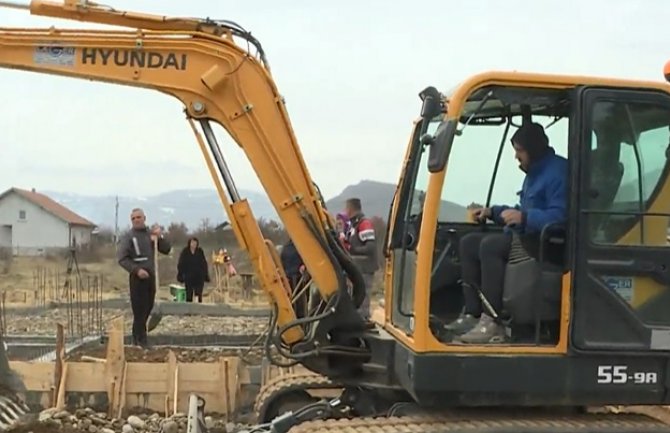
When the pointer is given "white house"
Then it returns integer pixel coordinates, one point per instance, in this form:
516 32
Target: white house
32 223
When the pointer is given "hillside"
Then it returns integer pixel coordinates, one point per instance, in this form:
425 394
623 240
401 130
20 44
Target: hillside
191 206
376 199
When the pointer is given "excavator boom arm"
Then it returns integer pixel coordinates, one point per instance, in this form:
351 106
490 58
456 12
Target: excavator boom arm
216 80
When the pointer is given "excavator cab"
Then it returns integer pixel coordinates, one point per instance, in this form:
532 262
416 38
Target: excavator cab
595 296
482 170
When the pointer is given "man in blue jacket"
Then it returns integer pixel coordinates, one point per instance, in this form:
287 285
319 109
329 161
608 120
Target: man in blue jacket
543 200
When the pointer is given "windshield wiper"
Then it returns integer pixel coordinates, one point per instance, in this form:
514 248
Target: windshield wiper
477 110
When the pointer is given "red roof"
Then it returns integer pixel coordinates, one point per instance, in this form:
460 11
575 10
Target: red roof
50 206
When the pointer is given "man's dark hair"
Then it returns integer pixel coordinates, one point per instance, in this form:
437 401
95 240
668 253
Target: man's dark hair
354 203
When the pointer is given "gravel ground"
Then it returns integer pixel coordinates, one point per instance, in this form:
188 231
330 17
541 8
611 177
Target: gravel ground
45 323
89 421
160 354
189 325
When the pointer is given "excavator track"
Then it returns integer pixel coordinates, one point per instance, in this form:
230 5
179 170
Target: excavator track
12 410
586 423
283 387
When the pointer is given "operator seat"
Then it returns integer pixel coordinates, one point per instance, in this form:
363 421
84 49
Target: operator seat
606 173
533 285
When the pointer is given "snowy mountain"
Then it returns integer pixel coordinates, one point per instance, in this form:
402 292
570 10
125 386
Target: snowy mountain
189 206
192 206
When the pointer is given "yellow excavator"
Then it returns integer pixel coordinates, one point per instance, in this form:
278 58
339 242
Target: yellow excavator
586 334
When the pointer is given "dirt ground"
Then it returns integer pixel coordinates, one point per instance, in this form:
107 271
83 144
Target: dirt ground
19 280
135 354
20 276
37 427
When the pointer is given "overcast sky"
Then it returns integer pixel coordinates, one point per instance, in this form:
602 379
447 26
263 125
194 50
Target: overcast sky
350 72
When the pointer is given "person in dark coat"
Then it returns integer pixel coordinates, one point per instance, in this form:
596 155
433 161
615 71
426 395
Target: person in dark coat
192 269
294 268
136 255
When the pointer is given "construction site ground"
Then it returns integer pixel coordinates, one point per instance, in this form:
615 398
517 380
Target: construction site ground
101 384
162 354
98 383
86 328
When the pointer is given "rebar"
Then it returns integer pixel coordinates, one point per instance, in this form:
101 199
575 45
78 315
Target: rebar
3 324
79 295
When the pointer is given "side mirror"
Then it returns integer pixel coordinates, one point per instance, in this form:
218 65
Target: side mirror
432 103
440 145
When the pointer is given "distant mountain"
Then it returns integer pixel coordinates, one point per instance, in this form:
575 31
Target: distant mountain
191 206
376 199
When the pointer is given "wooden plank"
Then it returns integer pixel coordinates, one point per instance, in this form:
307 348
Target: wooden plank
60 354
60 399
172 382
147 377
114 364
92 359
243 376
150 402
122 391
205 376
36 376
175 392
85 377
224 378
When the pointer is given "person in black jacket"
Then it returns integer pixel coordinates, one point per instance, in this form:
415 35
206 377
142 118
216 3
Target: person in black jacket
192 269
294 268
136 255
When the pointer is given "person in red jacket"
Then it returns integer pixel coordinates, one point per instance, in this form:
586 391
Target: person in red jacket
363 248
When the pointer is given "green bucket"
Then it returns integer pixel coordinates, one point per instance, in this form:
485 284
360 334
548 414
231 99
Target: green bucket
178 292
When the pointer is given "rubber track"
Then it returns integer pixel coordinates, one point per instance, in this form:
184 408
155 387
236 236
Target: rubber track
282 385
11 411
610 423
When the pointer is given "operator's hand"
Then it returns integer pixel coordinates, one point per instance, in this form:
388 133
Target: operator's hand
511 217
481 214
142 274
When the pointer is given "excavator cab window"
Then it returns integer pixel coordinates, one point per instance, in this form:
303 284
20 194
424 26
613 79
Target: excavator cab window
622 271
483 171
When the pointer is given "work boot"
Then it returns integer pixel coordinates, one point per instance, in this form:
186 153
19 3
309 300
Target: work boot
463 324
487 331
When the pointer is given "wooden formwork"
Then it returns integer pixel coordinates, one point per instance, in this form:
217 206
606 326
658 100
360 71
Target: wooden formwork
159 387
119 385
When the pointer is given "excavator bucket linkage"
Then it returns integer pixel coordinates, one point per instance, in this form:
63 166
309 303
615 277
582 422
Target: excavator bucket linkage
12 407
